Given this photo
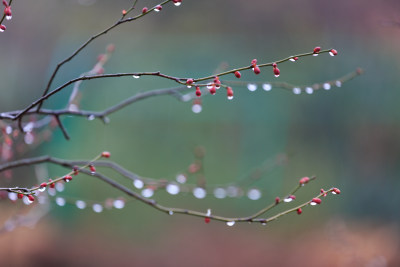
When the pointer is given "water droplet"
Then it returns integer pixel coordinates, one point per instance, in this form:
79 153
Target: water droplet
264 222
91 117
313 203
309 90
138 183
42 189
60 201
217 86
188 86
80 204
97 208
147 192
254 194
219 192
327 86
136 76
26 200
288 199
230 97
170 212
296 90
232 191
209 85
52 192
292 59
73 108
231 223
29 127
29 138
338 83
157 9
60 187
1 30
208 212
315 54
277 75
267 87
178 3
12 196
180 178
172 189
119 204
331 54
199 192
8 17
252 87
196 108
8 129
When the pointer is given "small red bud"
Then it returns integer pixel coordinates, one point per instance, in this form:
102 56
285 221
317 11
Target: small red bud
299 211
189 81
198 91
20 196
92 168
316 201
2 28
336 191
277 200
323 192
229 92
213 90
124 12
51 184
256 70
144 10
43 184
333 52
304 180
158 8
317 50
238 74
105 154
254 63
31 198
274 65
296 58
292 197
5 3
207 219
7 11
277 72
67 178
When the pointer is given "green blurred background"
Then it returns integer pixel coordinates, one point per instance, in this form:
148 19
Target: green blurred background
348 136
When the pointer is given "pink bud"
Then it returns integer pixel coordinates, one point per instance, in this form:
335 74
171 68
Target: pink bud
317 50
2 28
238 74
256 70
277 72
144 10
198 91
315 201
299 211
304 180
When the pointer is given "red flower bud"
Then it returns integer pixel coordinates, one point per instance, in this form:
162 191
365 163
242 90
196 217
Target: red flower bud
67 178
31 198
304 180
229 93
144 10
333 52
316 201
124 12
2 28
43 184
274 65
299 211
213 90
277 200
92 168
207 219
256 70
5 3
158 8
20 196
317 50
277 72
105 154
238 74
336 191
254 63
198 91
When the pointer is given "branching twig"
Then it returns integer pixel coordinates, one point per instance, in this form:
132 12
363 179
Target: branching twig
151 202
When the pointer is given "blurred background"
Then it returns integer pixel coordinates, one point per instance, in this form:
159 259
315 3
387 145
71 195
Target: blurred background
348 137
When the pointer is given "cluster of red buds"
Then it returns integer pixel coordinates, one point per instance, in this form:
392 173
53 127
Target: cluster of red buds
7 14
254 67
277 72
